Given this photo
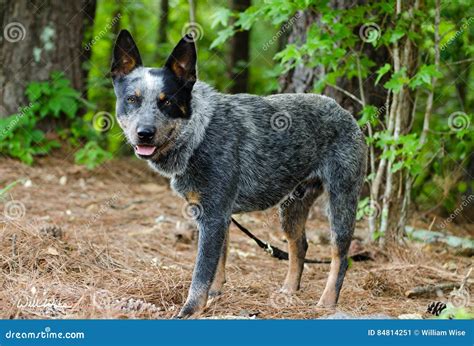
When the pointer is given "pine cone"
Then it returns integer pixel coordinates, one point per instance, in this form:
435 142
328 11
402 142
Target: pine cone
52 231
136 305
435 308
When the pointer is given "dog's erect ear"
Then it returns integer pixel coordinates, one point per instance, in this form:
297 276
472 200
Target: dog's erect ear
182 60
126 56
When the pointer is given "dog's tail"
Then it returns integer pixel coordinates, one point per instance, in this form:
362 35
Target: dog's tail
273 250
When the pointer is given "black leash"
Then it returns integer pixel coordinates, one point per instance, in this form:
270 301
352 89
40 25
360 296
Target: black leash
272 250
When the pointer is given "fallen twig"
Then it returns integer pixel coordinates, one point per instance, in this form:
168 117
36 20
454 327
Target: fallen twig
429 289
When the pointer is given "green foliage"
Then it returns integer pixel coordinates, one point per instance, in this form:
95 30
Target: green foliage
22 137
7 188
92 155
456 314
51 102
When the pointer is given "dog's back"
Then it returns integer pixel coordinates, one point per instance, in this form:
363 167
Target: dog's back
283 140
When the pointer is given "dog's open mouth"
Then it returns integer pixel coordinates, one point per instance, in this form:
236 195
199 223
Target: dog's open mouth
145 150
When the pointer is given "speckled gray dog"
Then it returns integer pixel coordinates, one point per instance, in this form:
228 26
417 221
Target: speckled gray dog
230 154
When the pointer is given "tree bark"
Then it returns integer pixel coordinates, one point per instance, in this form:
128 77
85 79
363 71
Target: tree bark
239 53
301 79
398 185
163 25
44 36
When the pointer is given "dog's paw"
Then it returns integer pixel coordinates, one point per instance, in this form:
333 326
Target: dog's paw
191 308
288 289
326 303
214 293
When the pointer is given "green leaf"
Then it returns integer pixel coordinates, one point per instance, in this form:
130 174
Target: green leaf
221 17
34 91
396 35
222 36
382 71
397 81
424 75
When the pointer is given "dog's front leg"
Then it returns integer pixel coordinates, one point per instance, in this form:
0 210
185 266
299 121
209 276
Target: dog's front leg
212 233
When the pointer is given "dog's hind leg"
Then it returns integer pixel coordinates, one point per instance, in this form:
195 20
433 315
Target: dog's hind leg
293 214
219 278
343 198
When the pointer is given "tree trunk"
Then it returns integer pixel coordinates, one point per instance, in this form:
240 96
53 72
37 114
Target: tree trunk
163 26
396 197
42 36
301 79
239 53
89 11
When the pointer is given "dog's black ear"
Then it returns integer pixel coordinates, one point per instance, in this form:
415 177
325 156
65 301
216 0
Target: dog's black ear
126 56
182 60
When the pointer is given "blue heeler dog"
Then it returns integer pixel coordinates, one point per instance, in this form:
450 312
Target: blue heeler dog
229 154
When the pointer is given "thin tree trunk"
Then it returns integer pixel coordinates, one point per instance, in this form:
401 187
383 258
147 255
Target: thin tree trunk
396 198
239 52
89 16
163 26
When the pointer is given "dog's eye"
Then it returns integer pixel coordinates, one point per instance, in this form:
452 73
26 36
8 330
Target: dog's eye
132 99
167 103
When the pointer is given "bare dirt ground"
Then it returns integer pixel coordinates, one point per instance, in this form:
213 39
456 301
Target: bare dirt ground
114 243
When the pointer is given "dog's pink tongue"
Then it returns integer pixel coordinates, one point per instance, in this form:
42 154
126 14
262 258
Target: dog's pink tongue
145 150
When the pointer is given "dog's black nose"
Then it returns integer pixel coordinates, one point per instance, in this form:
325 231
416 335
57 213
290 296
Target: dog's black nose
146 132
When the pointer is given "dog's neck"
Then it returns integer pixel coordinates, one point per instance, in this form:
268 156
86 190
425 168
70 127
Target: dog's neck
176 160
